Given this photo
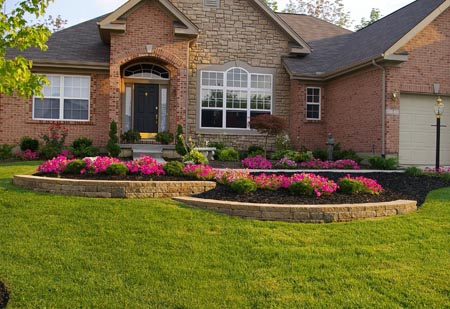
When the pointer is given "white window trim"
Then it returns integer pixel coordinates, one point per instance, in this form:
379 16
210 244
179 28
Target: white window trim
225 89
61 100
314 103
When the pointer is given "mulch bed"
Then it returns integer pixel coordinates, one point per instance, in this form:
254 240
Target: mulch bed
4 295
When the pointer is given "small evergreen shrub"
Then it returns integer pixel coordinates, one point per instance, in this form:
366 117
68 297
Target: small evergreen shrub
82 147
348 186
195 157
6 151
130 137
413 171
229 154
383 163
112 147
255 150
164 138
174 168
345 154
243 186
29 143
219 147
321 154
49 151
180 143
301 188
117 169
75 167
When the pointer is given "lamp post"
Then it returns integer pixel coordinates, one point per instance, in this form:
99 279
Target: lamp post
438 111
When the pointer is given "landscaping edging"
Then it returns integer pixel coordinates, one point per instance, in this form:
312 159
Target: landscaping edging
115 189
304 213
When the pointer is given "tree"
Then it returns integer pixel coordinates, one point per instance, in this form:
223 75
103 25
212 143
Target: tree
269 125
375 14
17 32
273 4
332 11
55 23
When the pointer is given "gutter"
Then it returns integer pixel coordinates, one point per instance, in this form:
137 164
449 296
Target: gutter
383 108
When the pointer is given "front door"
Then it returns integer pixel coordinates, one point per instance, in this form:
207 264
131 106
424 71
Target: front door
146 98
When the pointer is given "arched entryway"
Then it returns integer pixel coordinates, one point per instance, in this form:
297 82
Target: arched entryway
145 102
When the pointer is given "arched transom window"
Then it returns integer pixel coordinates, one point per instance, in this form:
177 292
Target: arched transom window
229 99
146 70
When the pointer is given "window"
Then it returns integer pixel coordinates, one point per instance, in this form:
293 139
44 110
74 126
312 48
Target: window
66 98
313 103
229 99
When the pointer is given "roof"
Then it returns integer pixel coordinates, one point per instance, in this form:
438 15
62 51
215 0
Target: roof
312 28
382 38
77 44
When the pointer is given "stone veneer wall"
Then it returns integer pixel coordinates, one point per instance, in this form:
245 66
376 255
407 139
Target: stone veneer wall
115 189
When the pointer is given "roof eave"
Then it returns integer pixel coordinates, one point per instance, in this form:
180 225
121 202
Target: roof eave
63 64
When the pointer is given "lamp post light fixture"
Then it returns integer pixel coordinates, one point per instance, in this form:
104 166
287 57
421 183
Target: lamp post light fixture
438 111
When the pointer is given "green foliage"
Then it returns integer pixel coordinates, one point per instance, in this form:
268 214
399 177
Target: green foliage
268 125
75 167
174 168
54 140
164 138
117 169
349 186
112 147
342 154
255 150
16 31
180 143
29 143
292 155
301 188
6 151
381 163
130 137
219 146
319 153
229 154
196 157
82 147
243 186
413 171
375 14
282 142
49 151
273 4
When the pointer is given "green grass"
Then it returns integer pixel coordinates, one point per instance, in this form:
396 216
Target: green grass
70 252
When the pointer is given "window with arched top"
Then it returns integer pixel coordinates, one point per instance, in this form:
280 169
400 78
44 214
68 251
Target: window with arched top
146 70
229 99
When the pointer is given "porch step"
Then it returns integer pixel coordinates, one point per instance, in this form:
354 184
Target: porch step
153 150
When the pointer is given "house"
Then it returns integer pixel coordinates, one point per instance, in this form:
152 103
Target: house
210 65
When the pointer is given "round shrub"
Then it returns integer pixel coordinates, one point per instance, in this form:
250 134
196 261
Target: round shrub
320 154
255 150
29 143
196 157
301 188
174 168
74 167
164 138
117 169
243 186
229 154
49 151
82 147
349 186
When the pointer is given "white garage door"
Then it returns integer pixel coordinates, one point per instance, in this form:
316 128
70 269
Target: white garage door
417 135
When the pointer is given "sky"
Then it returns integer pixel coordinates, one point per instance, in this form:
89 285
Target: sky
76 11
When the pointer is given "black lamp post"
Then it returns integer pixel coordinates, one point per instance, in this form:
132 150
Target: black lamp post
438 110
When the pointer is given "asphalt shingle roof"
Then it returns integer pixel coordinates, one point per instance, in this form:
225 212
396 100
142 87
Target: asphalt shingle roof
342 51
79 43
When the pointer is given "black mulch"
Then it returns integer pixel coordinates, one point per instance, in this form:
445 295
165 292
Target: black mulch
4 295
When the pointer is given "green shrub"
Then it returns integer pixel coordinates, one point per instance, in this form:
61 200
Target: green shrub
229 154
164 138
117 169
349 186
381 163
243 186
180 143
29 143
219 147
301 188
130 137
74 167
292 155
174 168
49 151
255 150
343 154
6 151
196 157
82 147
112 147
280 154
319 153
413 171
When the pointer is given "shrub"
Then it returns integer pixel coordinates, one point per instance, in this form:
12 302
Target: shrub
292 155
29 143
195 157
383 163
229 154
49 151
180 143
54 166
75 167
112 147
269 182
320 185
243 186
27 155
286 163
6 151
117 169
174 168
255 150
345 154
282 142
340 164
354 185
228 176
269 125
413 171
164 138
321 154
145 165
53 141
301 188
99 164
219 147
200 171
82 147
257 162
130 137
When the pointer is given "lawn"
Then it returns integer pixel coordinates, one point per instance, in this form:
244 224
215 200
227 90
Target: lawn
70 252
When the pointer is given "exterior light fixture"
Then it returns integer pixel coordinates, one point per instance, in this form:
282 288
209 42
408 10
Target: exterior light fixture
438 111
395 95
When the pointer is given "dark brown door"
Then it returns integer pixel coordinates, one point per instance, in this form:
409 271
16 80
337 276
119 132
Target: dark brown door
146 98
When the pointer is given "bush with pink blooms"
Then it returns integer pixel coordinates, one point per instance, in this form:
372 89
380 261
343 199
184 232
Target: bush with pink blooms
54 166
286 163
27 155
200 171
229 176
98 165
269 182
325 165
316 184
354 185
257 162
145 165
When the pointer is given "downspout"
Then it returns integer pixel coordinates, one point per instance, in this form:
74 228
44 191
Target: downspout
383 108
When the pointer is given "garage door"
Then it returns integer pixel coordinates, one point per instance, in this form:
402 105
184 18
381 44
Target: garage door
417 135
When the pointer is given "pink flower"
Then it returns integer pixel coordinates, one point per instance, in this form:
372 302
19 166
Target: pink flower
257 162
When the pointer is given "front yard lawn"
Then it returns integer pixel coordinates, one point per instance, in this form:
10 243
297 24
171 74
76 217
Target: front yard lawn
70 252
